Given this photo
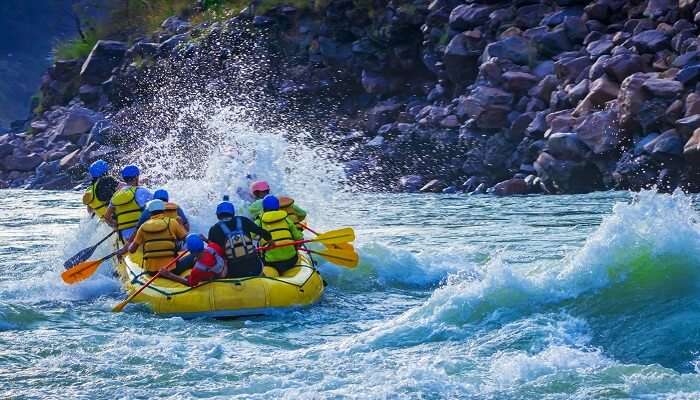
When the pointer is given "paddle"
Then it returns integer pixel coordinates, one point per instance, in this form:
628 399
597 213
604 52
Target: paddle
119 307
84 254
84 270
343 258
343 235
343 246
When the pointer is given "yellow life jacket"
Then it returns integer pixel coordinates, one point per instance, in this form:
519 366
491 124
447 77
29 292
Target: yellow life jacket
277 224
158 240
126 210
90 199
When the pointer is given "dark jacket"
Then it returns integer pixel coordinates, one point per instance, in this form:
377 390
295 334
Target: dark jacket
246 266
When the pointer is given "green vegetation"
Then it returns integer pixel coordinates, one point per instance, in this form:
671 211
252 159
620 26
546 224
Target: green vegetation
127 19
76 48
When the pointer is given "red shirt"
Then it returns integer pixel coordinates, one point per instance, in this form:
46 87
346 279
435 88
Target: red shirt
208 260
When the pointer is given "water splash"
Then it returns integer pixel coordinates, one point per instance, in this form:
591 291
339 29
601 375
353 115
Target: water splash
650 243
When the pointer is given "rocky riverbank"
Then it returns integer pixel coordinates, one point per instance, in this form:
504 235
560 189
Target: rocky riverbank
516 97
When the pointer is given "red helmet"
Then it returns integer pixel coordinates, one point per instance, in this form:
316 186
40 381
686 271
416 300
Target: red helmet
259 186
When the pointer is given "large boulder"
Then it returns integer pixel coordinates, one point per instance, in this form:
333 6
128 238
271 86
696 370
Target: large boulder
686 126
630 101
691 150
511 187
566 146
600 132
569 69
599 47
664 88
650 41
461 62
553 42
411 183
544 88
468 16
103 58
519 82
176 25
565 176
22 162
657 8
77 122
601 91
514 48
621 66
489 107
668 143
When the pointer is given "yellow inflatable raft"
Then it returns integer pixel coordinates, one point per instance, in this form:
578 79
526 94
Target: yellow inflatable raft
300 286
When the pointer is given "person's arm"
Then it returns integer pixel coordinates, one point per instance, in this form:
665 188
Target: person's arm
183 218
145 215
299 211
109 216
250 226
164 273
296 233
255 209
136 241
179 230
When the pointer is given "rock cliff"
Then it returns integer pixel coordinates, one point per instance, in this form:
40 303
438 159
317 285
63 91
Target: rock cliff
553 96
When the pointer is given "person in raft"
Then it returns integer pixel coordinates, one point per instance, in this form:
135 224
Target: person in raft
283 231
127 204
234 234
101 189
207 262
260 189
172 210
158 236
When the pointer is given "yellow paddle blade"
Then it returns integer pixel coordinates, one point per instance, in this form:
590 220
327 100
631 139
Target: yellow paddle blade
341 246
344 258
80 272
337 236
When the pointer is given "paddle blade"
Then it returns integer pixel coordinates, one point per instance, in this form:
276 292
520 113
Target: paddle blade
80 272
81 256
341 246
119 307
343 258
337 236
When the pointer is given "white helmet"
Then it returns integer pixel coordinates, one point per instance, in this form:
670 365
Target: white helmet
155 205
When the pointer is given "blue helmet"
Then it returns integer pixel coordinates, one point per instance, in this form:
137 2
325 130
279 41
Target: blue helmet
98 168
130 171
194 243
271 203
161 194
225 207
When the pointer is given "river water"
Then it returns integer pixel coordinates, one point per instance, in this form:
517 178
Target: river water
539 297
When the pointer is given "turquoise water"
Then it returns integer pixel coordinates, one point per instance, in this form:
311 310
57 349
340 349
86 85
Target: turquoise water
552 297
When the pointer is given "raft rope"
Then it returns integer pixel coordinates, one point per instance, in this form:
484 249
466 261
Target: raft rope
237 281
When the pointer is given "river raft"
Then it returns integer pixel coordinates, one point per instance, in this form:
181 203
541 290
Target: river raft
232 297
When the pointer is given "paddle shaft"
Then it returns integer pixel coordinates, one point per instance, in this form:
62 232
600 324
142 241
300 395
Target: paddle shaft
123 304
308 229
294 243
84 254
105 238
